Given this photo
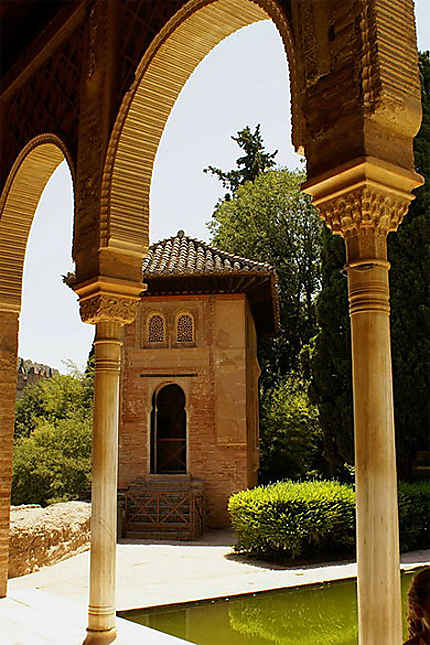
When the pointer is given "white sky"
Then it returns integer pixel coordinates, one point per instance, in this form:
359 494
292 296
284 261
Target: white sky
243 81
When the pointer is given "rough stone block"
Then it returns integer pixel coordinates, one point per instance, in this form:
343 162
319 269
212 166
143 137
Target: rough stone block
42 536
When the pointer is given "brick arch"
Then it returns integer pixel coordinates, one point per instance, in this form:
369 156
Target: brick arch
165 67
18 202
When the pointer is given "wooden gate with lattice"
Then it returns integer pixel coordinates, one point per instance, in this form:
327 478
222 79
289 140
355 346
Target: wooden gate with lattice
160 513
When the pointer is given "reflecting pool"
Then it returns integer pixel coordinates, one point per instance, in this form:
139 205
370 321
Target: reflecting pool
324 615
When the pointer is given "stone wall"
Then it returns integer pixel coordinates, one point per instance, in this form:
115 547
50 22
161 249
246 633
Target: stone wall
29 373
42 536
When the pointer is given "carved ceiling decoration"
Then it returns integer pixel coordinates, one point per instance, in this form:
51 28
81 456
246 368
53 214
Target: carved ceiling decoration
47 102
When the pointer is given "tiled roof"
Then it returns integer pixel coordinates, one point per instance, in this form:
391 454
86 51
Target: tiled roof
184 255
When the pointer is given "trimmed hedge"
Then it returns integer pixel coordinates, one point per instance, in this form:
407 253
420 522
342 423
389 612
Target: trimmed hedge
296 520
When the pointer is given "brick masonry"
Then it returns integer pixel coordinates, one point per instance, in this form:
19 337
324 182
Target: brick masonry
8 351
221 396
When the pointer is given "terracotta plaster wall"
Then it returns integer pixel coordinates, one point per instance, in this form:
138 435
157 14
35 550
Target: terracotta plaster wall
217 395
252 398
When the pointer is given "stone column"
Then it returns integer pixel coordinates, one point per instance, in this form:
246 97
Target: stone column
8 371
363 203
101 608
109 311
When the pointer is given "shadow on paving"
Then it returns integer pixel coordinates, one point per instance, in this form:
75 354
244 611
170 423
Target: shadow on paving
210 538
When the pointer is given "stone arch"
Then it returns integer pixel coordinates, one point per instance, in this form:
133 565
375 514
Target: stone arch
18 202
165 67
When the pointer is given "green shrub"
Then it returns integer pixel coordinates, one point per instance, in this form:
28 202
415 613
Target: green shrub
294 519
317 518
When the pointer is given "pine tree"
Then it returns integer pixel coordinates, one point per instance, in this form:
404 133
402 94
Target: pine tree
254 161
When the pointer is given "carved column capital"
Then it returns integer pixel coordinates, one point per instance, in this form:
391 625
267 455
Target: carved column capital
108 308
364 216
107 300
364 201
364 209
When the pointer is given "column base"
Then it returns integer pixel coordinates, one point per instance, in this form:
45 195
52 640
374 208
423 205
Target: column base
100 638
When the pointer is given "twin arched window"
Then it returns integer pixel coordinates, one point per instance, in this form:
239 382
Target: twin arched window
157 329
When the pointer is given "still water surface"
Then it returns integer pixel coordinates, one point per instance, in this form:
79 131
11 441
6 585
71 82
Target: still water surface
325 615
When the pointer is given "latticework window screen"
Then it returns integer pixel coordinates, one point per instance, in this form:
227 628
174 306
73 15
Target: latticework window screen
156 329
185 329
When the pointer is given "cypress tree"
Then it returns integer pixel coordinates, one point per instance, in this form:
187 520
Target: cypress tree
330 353
409 254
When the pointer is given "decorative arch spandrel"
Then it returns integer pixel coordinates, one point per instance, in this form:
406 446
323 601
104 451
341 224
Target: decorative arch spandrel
357 80
47 99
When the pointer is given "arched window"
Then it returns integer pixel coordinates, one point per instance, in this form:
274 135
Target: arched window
156 329
169 431
184 328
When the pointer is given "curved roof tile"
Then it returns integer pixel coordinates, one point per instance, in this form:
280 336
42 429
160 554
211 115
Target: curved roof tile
181 254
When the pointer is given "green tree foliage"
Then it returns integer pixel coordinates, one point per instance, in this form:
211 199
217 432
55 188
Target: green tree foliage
267 218
52 400
272 221
291 434
330 361
254 161
53 428
91 364
53 464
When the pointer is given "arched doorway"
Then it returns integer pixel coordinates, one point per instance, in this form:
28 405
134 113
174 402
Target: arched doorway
169 431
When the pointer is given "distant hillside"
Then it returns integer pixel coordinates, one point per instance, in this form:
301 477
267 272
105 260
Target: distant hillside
29 373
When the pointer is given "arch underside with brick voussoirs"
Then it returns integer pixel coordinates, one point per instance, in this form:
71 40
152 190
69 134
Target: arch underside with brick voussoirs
18 202
160 76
